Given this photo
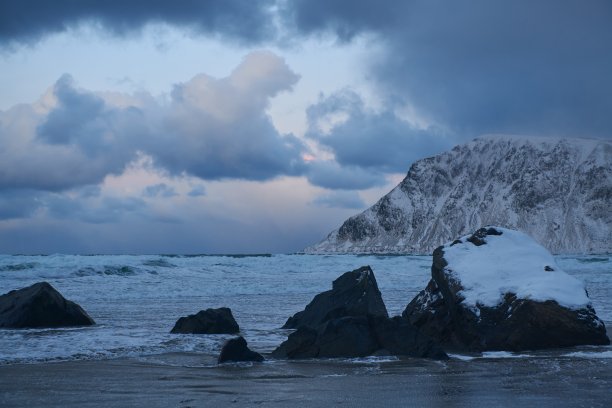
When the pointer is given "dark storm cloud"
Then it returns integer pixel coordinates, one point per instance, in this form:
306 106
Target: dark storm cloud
485 66
376 141
345 18
209 128
26 21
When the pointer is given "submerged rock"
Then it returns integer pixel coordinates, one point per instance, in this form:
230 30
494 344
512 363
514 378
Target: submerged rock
351 320
497 289
40 306
354 293
236 349
209 321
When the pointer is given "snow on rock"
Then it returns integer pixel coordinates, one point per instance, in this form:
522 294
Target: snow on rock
559 191
497 289
511 262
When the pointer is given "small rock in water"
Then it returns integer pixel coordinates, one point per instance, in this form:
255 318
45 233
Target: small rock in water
236 349
209 321
40 306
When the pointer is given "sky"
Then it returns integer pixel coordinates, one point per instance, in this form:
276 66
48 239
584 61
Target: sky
238 126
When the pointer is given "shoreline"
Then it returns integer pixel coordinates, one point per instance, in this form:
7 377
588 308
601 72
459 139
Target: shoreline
192 380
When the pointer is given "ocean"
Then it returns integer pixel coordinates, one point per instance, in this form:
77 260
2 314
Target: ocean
135 301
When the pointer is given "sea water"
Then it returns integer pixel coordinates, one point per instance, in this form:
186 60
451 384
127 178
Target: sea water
135 300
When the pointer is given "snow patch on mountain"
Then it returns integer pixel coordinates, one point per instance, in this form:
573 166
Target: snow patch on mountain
557 190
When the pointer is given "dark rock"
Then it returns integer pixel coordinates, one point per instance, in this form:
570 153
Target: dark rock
349 336
346 337
38 306
209 321
351 320
514 324
354 293
400 338
300 344
236 349
359 336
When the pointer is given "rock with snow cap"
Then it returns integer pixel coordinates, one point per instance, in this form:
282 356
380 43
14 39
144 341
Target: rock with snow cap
354 293
40 306
497 289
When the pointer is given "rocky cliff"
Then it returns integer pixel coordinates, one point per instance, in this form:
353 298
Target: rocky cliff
559 191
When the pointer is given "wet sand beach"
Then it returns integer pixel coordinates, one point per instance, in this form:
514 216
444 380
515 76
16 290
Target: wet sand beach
191 380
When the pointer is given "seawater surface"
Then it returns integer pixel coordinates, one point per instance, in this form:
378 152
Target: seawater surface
135 300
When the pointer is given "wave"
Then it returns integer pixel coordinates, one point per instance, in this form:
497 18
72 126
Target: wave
18 266
592 260
115 270
160 263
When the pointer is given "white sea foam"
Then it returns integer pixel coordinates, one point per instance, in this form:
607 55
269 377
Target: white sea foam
590 354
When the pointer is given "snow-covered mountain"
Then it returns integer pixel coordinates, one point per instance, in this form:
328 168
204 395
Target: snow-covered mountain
559 191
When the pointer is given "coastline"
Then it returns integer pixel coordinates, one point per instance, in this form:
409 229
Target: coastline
193 380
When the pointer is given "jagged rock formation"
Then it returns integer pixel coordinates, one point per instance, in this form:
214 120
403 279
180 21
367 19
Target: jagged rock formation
354 293
351 320
499 290
558 191
40 306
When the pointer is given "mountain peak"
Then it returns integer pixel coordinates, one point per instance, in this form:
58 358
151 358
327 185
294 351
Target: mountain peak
557 190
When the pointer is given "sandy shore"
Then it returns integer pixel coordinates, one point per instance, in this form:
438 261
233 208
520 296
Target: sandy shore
184 380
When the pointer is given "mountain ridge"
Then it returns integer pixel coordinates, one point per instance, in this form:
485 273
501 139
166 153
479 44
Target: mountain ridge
558 190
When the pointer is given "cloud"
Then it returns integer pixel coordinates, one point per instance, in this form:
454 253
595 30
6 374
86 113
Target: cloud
380 142
27 21
484 66
345 18
329 174
81 204
15 204
31 162
210 128
340 199
107 209
159 190
197 191
218 128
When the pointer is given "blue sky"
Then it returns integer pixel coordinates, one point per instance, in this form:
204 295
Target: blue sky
240 126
